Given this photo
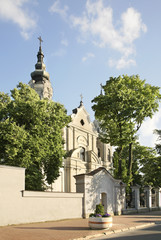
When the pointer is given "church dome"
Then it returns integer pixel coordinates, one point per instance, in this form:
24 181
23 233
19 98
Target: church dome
40 79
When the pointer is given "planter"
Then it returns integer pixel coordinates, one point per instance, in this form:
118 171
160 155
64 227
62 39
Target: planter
100 222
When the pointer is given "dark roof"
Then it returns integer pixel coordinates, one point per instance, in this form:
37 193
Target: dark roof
96 171
92 173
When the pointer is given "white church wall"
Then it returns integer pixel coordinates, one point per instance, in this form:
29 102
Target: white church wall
100 183
101 187
19 206
58 184
80 135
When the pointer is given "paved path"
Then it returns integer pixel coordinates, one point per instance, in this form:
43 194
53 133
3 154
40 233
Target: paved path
75 229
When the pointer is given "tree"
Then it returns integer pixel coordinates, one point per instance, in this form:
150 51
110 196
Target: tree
31 135
151 167
141 155
121 110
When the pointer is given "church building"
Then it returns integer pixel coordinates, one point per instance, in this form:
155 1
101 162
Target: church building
85 151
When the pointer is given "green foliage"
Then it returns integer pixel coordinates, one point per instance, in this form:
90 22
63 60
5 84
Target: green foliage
34 178
121 110
92 215
123 165
141 156
31 135
151 165
152 171
99 209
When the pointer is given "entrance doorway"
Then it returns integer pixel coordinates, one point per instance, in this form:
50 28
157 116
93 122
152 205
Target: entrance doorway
104 201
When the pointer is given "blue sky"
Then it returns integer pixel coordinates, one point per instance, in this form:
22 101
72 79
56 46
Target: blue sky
84 42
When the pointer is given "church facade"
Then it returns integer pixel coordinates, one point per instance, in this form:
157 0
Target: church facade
85 151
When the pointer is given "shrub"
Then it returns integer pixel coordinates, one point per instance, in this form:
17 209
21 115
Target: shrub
99 209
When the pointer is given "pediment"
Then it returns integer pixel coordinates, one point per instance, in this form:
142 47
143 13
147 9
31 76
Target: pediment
81 119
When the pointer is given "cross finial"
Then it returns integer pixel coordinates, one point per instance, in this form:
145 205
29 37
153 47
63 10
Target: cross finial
40 39
81 97
101 88
81 102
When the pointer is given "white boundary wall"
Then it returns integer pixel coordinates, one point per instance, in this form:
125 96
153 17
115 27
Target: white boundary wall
20 206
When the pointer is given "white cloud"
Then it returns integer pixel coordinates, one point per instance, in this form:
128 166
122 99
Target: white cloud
146 135
97 22
60 52
87 56
132 25
14 11
122 62
56 8
64 42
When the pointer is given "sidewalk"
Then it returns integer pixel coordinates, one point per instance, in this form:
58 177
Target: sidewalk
75 228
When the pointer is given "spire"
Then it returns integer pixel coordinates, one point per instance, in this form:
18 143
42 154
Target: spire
75 110
40 79
40 74
81 102
40 39
40 55
101 89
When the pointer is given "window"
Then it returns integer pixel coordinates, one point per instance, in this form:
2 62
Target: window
109 155
82 122
99 153
82 153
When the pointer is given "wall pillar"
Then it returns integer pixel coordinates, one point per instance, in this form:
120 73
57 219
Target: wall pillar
136 194
74 138
149 196
120 202
159 196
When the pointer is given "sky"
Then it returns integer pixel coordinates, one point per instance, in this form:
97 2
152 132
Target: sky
85 42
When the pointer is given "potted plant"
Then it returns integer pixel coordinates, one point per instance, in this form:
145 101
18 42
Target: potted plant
99 219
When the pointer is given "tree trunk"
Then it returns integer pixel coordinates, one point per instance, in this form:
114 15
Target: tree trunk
130 162
120 162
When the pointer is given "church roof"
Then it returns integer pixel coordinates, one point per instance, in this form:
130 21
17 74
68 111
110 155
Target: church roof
75 110
40 74
92 173
40 79
81 119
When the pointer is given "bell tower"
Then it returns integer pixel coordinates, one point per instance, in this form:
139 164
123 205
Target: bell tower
40 79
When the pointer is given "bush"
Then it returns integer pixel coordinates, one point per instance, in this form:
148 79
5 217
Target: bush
99 209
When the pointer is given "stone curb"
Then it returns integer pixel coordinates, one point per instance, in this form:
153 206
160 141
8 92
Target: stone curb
114 231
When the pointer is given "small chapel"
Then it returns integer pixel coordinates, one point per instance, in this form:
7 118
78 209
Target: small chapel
85 150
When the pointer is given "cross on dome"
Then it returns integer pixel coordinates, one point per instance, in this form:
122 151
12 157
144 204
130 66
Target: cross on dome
81 97
81 102
101 88
40 39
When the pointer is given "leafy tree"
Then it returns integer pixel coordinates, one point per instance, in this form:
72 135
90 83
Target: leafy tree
151 167
31 135
141 155
152 171
121 110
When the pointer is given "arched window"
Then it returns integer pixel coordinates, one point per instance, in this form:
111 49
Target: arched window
82 153
109 155
99 152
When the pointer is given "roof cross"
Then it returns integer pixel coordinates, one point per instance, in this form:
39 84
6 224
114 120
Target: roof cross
40 39
101 88
81 97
